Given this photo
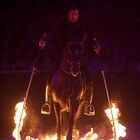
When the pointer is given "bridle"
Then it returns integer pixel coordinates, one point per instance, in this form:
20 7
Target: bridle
74 52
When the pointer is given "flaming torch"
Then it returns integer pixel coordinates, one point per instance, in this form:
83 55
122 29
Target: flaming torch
112 114
20 107
119 128
19 119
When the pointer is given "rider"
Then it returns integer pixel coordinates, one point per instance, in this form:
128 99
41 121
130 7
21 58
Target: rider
73 30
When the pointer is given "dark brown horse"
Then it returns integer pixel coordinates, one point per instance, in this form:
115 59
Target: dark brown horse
68 88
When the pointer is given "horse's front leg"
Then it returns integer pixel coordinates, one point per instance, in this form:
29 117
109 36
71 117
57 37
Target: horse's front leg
58 115
71 121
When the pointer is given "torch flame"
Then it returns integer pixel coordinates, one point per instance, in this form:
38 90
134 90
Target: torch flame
18 118
113 115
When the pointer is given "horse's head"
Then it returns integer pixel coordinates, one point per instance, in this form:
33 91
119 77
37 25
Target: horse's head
75 52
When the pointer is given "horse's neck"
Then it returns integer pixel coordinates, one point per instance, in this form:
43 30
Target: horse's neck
64 64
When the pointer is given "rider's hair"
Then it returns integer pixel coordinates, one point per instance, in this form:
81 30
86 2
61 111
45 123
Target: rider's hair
72 5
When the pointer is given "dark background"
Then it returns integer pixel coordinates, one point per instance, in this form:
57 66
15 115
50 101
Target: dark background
116 25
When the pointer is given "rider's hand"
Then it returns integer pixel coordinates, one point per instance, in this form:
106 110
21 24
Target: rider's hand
96 46
96 49
42 43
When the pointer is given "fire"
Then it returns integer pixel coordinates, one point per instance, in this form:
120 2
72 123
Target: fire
18 118
90 136
30 138
118 129
112 113
47 137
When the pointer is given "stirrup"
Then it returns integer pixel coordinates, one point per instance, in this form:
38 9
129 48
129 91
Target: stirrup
46 109
89 110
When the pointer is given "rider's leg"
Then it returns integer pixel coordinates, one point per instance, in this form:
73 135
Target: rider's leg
89 110
46 108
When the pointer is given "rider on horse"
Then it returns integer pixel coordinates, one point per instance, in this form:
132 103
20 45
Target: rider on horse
72 30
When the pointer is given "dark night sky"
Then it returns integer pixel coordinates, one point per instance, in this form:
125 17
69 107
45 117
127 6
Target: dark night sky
117 26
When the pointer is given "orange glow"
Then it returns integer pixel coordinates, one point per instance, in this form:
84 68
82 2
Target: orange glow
90 136
119 130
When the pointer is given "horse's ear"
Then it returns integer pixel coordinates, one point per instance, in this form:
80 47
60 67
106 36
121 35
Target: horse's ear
84 38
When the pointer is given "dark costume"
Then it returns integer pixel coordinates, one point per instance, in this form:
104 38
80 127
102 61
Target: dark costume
71 32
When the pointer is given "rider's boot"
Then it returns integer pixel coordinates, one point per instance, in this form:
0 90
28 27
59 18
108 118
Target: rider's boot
89 109
46 107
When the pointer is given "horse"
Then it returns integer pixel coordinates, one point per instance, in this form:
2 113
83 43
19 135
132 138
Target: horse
68 88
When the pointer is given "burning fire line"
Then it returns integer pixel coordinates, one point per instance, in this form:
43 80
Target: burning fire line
119 128
54 137
90 135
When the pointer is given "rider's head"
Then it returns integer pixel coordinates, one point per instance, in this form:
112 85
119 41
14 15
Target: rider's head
73 15
73 9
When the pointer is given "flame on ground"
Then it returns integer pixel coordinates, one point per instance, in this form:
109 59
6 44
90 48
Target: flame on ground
112 114
88 136
118 129
48 137
18 118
